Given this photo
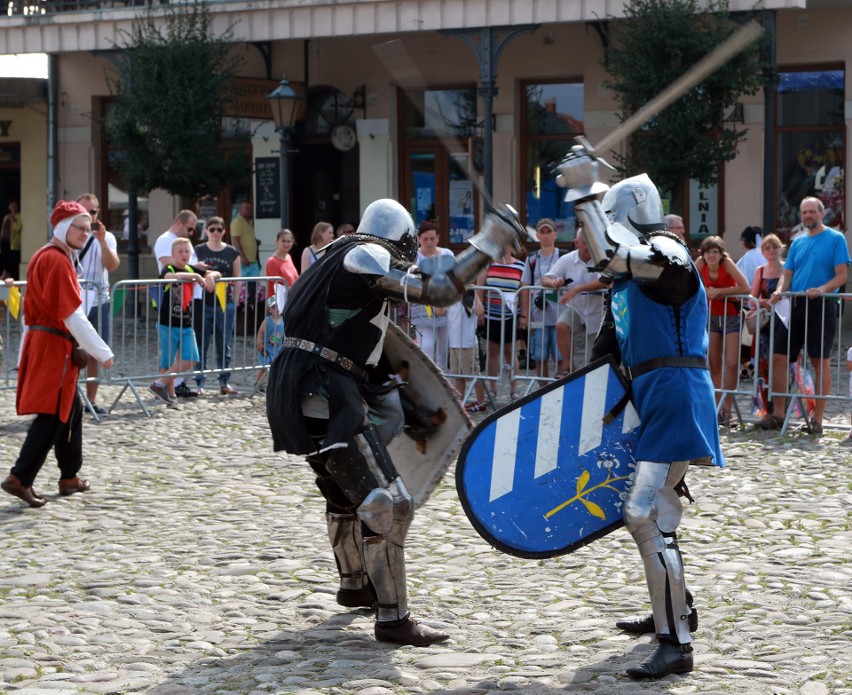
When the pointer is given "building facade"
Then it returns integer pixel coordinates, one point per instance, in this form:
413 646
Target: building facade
432 102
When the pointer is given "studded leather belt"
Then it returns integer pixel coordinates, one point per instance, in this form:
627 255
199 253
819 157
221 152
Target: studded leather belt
325 353
660 362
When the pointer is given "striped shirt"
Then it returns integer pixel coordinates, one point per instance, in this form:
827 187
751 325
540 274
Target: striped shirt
505 277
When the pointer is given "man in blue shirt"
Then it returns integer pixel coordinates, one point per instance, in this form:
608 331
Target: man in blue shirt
816 265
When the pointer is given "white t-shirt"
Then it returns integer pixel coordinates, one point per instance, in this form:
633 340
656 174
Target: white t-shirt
461 327
588 306
93 275
751 260
163 247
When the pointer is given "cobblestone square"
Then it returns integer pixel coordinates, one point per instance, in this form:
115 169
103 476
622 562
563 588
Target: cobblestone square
198 564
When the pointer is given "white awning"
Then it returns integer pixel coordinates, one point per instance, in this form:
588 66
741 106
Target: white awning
276 20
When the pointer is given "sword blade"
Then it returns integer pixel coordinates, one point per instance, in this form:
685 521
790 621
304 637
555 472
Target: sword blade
720 55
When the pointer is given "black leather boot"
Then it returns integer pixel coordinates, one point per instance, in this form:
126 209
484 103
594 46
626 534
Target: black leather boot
668 657
409 631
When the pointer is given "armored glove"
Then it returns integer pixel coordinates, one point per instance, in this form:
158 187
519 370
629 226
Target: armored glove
500 228
578 172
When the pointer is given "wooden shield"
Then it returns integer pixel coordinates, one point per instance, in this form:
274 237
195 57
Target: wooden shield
422 464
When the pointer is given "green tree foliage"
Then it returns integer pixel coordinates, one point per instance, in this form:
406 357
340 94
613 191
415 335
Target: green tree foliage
657 42
172 93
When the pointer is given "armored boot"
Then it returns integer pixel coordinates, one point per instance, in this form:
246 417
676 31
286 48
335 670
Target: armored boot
344 532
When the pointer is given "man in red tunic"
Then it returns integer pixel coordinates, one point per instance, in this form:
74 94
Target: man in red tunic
47 375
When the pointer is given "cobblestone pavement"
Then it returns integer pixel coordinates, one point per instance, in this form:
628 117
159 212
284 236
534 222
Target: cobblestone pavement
198 564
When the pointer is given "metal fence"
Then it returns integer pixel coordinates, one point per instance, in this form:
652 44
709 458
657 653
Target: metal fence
811 383
500 356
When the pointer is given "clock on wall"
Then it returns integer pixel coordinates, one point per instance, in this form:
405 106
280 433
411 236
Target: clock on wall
343 137
332 115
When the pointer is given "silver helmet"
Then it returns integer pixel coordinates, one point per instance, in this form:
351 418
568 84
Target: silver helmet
635 203
388 221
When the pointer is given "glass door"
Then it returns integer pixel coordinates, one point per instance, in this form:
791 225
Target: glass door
436 186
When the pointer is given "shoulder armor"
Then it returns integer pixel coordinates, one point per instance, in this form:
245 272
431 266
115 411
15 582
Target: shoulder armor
671 249
368 259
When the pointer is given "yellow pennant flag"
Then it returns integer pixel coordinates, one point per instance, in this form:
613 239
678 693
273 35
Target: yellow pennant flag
14 301
221 292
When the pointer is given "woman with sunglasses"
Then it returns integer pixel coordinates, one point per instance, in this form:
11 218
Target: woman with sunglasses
218 322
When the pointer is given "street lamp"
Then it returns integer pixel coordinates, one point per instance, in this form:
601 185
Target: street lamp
284 101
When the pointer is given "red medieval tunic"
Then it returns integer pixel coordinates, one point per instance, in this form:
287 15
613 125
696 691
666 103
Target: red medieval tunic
47 377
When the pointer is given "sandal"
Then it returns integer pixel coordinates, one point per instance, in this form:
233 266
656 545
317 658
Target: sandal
770 422
563 374
475 407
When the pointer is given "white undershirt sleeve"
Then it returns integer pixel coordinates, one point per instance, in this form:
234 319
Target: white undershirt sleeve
78 325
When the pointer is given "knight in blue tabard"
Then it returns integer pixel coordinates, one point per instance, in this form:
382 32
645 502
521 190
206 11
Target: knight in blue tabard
656 327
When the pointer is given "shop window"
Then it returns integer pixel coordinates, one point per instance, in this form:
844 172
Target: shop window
552 116
810 137
436 135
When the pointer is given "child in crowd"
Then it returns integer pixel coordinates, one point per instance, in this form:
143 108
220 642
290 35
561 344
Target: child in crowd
464 347
174 325
269 337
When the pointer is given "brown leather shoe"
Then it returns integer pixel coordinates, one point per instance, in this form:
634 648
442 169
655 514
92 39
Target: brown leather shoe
228 390
13 486
409 632
69 486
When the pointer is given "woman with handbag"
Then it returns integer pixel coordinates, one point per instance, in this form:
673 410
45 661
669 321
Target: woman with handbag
762 286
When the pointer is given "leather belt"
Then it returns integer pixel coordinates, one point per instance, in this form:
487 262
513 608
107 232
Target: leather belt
55 331
660 362
325 353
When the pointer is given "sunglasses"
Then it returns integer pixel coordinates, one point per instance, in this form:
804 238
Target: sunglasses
215 229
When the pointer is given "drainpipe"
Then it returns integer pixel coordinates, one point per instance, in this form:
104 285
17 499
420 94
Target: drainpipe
769 108
52 89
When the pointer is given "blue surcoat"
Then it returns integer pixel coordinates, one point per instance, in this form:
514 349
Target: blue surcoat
676 405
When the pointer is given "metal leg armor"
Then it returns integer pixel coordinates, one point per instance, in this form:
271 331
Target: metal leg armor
364 472
347 542
652 513
387 511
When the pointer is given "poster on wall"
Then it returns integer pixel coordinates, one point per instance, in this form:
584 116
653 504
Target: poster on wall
424 196
461 211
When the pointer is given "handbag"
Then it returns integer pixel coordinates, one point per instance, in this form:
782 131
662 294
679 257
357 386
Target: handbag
751 320
751 316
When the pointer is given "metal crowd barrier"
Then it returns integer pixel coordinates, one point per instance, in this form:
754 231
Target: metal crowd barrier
11 330
134 334
726 364
497 367
798 395
588 305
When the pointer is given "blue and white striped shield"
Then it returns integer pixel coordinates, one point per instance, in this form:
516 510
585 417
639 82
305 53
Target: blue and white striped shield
548 474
